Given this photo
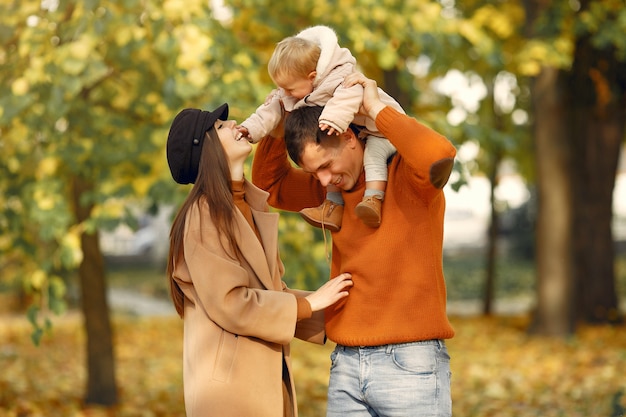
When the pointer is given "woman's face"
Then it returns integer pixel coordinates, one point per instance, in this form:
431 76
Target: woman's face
236 150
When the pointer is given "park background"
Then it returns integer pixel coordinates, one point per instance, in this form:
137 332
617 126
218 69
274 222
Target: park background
532 93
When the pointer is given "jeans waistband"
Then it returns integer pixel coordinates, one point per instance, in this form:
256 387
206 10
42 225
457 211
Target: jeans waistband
435 342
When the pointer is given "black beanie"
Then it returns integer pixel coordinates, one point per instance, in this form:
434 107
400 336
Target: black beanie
184 142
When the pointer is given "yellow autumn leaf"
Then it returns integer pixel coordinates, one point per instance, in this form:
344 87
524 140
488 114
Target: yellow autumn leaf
161 114
72 238
121 100
43 199
37 279
13 164
243 59
199 76
141 185
470 32
20 86
182 9
231 77
113 208
47 167
387 58
36 71
6 241
152 98
123 35
194 45
73 66
82 48
71 243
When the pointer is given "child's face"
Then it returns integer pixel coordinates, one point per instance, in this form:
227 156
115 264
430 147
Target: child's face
297 87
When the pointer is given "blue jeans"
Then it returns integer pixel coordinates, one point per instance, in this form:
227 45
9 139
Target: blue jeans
398 380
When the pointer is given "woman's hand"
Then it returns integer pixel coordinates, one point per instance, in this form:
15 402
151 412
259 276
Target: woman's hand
331 292
371 100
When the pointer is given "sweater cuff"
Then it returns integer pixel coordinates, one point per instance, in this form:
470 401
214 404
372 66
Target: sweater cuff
386 118
304 308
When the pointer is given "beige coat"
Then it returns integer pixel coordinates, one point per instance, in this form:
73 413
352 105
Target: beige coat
239 317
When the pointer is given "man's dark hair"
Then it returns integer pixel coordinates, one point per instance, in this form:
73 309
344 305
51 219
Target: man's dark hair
302 128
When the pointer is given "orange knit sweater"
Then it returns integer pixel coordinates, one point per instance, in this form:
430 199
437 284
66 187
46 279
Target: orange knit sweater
399 292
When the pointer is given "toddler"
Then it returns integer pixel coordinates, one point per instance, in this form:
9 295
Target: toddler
309 70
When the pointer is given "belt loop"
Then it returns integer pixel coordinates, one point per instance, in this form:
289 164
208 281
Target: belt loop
389 349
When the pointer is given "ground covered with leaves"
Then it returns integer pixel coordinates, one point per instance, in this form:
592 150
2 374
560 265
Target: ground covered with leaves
498 370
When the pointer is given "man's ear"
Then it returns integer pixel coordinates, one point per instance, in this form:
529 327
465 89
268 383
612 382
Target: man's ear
350 138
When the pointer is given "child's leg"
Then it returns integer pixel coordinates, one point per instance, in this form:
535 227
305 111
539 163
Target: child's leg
333 194
377 152
329 214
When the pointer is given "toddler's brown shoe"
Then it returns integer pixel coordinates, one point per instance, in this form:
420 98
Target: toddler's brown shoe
369 210
327 216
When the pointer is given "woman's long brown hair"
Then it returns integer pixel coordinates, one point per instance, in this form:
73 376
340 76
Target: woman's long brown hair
213 186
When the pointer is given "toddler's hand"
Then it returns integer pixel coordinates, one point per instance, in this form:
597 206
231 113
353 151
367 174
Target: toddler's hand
331 130
270 97
243 133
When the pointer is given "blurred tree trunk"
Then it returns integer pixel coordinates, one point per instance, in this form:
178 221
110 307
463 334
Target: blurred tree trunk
496 152
597 97
580 116
101 386
492 237
391 85
554 314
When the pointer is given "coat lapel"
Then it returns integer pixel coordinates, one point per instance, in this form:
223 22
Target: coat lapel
261 257
267 223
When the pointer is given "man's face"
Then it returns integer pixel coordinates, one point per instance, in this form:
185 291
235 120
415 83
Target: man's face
341 165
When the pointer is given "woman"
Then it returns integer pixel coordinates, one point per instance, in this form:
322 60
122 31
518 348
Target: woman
225 279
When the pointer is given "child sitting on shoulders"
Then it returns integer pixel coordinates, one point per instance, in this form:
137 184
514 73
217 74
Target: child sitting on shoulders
309 70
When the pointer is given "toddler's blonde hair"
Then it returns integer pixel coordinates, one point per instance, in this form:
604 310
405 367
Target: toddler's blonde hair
293 57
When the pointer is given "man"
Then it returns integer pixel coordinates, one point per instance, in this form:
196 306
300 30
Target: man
391 358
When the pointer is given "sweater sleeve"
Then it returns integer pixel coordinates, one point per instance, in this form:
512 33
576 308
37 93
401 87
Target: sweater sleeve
309 325
265 118
427 154
290 188
340 110
304 308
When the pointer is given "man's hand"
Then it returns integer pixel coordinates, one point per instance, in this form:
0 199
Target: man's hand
371 100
